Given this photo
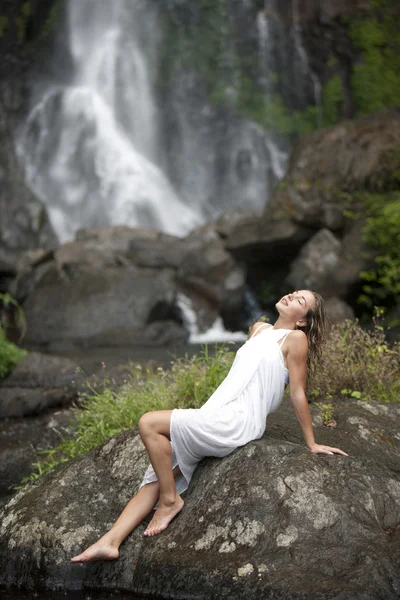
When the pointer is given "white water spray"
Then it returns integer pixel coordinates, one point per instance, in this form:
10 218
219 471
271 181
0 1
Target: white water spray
90 147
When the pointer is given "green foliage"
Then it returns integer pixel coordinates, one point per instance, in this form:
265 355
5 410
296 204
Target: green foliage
376 82
358 363
50 21
382 232
102 414
327 412
10 355
271 113
332 101
4 24
22 20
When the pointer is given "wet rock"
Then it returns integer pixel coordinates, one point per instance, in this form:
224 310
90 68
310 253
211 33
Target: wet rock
20 441
270 519
38 382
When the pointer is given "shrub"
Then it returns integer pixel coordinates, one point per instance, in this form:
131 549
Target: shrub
375 82
10 355
358 363
382 232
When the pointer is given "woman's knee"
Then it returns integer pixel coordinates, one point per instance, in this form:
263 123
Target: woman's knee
145 423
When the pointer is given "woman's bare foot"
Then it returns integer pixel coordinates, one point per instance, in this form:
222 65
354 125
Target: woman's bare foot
163 516
101 550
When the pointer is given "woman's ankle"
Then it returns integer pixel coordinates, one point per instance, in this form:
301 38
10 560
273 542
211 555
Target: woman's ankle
111 539
168 499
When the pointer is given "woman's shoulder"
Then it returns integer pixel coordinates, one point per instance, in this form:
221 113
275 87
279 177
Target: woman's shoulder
258 324
297 341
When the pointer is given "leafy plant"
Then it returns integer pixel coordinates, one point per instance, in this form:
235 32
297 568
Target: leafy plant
382 233
10 355
358 363
6 302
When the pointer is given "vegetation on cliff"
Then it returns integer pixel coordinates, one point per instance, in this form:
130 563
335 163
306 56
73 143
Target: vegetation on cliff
10 354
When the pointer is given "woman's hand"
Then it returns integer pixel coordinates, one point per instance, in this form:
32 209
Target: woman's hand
319 449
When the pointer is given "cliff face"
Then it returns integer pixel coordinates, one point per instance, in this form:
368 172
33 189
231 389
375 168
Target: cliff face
23 222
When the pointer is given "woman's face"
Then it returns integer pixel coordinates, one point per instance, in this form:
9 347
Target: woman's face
296 305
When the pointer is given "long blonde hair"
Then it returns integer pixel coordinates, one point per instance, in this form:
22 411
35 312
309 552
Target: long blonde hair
316 330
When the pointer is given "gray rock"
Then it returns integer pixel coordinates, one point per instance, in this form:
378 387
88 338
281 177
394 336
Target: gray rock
22 439
39 382
86 301
270 520
24 222
338 310
316 261
329 165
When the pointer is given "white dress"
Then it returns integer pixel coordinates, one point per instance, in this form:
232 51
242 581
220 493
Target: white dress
236 412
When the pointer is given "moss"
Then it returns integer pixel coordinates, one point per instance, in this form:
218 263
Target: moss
22 20
376 81
4 24
332 101
10 355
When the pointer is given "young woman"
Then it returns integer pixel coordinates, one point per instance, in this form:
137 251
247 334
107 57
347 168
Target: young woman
176 440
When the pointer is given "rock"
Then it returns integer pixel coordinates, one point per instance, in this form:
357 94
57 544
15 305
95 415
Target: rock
256 523
268 240
316 262
82 302
21 440
24 222
353 258
111 284
38 382
329 165
338 310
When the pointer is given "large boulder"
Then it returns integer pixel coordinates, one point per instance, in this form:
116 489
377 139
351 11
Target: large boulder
22 439
329 165
270 520
315 262
37 383
121 286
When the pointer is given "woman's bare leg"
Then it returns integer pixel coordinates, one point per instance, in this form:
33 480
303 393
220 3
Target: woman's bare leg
154 429
106 548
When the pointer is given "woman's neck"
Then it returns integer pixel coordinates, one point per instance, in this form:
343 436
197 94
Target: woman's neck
282 323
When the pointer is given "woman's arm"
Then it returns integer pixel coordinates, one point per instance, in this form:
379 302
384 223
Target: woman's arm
297 348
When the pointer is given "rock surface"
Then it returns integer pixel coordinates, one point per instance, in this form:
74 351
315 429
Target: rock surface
329 165
38 382
270 520
20 441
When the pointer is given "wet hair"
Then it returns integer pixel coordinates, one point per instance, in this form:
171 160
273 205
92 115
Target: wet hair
316 330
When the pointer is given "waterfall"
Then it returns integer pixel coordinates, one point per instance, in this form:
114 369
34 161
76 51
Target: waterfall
216 333
305 69
90 146
112 139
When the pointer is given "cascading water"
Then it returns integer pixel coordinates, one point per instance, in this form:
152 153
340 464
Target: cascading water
90 146
95 145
